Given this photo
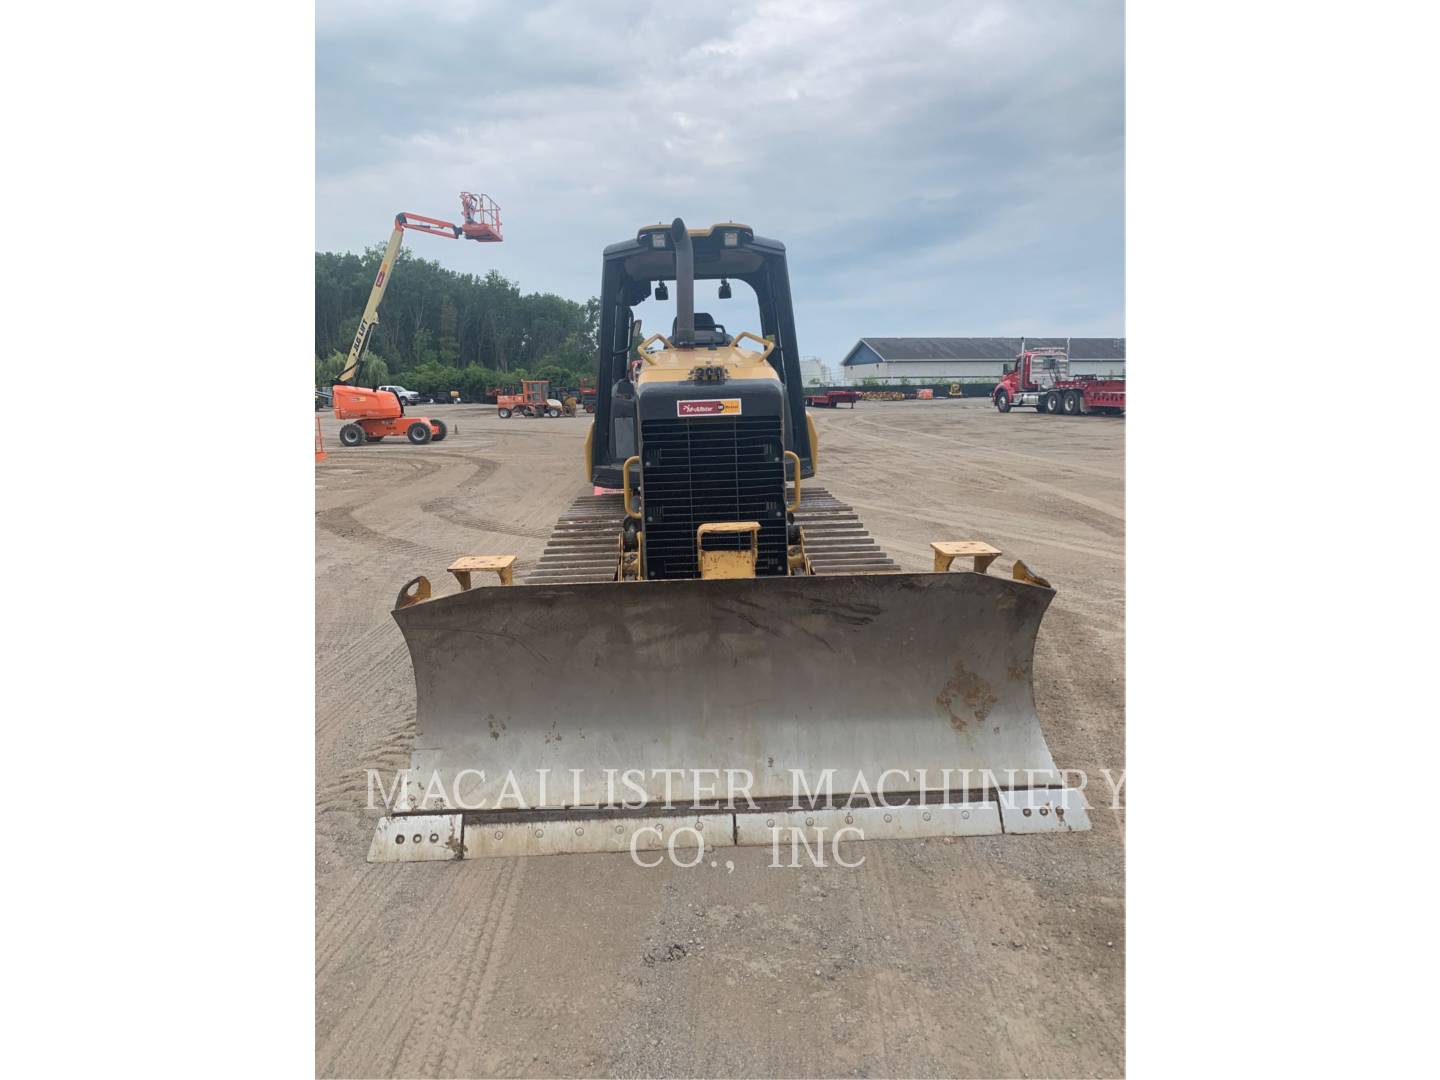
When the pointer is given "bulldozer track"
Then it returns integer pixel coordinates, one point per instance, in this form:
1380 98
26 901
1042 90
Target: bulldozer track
582 546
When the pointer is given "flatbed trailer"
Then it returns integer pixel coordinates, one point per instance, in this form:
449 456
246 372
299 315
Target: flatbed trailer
832 399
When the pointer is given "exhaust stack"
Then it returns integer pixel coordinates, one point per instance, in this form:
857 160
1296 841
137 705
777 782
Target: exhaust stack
684 283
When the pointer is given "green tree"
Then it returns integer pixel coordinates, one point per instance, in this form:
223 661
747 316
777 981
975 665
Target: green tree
373 370
432 315
434 379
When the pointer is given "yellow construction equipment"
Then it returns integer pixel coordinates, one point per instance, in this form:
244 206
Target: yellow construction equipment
756 669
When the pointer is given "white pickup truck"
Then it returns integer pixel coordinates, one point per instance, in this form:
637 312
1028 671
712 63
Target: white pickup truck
407 397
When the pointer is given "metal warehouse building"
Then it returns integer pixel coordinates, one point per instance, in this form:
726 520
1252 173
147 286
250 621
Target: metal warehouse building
936 360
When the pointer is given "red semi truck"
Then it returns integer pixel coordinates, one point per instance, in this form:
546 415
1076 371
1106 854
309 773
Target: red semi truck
1041 378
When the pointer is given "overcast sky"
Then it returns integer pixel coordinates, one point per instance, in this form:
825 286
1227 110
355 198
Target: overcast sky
933 168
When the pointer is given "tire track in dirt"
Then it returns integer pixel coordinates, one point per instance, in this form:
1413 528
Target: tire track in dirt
385 997
427 1022
900 996
978 515
483 974
342 519
446 1002
894 1018
936 516
385 470
485 468
361 689
374 922
969 464
362 902
984 448
336 632
1081 703
351 651
445 507
351 792
341 522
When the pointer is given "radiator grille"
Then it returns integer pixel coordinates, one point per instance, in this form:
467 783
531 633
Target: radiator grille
715 469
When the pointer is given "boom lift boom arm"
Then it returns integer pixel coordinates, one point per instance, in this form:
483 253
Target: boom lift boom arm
369 320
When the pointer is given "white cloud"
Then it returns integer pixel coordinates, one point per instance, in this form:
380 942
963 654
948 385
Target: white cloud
933 167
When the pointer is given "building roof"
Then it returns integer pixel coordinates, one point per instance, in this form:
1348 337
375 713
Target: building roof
982 348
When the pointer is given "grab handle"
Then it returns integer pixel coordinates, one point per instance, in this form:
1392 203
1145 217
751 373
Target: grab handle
630 510
796 505
767 346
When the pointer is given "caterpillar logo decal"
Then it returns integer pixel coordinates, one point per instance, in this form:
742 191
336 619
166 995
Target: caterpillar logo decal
708 407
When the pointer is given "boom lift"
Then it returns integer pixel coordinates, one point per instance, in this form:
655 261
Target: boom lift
374 414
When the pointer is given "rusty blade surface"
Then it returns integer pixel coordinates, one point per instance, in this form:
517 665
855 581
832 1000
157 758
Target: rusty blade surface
548 694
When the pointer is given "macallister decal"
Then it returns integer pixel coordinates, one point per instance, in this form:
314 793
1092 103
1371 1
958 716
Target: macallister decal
708 407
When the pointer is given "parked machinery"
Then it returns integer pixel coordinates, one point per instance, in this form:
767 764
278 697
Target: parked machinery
731 618
374 414
1041 378
533 400
832 399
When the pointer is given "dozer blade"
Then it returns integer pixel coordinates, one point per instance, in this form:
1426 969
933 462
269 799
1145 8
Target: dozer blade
566 717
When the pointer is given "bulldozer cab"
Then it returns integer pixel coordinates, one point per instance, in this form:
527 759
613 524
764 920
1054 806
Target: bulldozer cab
641 268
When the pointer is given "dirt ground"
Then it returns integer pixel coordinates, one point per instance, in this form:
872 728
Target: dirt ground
989 956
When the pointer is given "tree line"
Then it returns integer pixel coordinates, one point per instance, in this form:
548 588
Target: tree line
441 330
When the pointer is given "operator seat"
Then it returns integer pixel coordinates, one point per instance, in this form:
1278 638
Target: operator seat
706 332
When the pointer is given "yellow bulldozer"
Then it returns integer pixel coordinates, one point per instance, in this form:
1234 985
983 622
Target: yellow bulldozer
756 668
